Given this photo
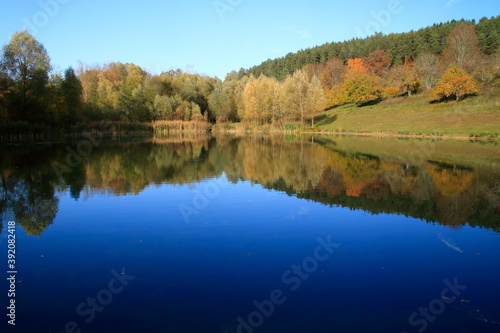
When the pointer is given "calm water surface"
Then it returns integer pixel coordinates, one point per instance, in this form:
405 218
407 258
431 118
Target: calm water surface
279 234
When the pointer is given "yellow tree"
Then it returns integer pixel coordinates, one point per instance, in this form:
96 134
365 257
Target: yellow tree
361 88
454 83
301 97
266 100
317 99
250 101
301 83
314 69
337 96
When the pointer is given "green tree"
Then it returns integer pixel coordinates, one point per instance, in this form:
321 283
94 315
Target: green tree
4 88
26 62
233 87
131 99
216 102
72 92
163 108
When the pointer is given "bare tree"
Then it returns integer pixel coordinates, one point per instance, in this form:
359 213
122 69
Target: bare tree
462 48
333 73
427 67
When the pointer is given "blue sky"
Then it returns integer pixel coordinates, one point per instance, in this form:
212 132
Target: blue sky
214 37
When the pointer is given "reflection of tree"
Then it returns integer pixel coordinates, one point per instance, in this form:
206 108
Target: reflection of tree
450 180
34 212
300 167
366 182
30 200
75 179
434 192
129 168
454 196
28 188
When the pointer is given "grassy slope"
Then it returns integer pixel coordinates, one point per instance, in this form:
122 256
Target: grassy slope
415 115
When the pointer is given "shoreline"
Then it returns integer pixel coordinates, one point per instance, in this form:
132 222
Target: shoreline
378 134
182 129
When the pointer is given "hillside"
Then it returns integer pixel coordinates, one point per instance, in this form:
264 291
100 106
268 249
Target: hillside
397 46
473 117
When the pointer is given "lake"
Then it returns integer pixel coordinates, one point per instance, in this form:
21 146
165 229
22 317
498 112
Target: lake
267 234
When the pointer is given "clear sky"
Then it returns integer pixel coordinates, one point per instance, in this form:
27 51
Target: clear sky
214 37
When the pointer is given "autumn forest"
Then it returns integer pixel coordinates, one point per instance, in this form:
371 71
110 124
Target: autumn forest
453 60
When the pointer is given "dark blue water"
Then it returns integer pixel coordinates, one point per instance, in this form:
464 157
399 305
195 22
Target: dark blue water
202 244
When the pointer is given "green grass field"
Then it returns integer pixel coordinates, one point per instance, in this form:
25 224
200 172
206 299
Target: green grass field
475 116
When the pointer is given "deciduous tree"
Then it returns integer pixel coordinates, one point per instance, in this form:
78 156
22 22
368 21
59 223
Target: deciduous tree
361 88
333 73
405 79
377 62
427 67
454 83
462 48
355 66
26 62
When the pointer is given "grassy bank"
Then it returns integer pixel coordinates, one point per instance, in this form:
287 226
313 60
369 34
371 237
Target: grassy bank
477 116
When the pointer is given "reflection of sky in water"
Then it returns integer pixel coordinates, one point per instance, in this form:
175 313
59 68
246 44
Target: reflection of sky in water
207 273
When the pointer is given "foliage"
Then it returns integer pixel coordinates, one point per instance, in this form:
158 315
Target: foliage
399 47
454 83
293 89
72 91
359 88
26 64
377 62
355 66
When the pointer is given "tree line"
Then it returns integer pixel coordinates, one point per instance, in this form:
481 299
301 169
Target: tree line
450 60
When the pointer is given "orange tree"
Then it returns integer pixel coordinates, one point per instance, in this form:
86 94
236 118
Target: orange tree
454 83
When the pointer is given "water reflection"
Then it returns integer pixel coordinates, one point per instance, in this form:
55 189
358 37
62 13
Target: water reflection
315 169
